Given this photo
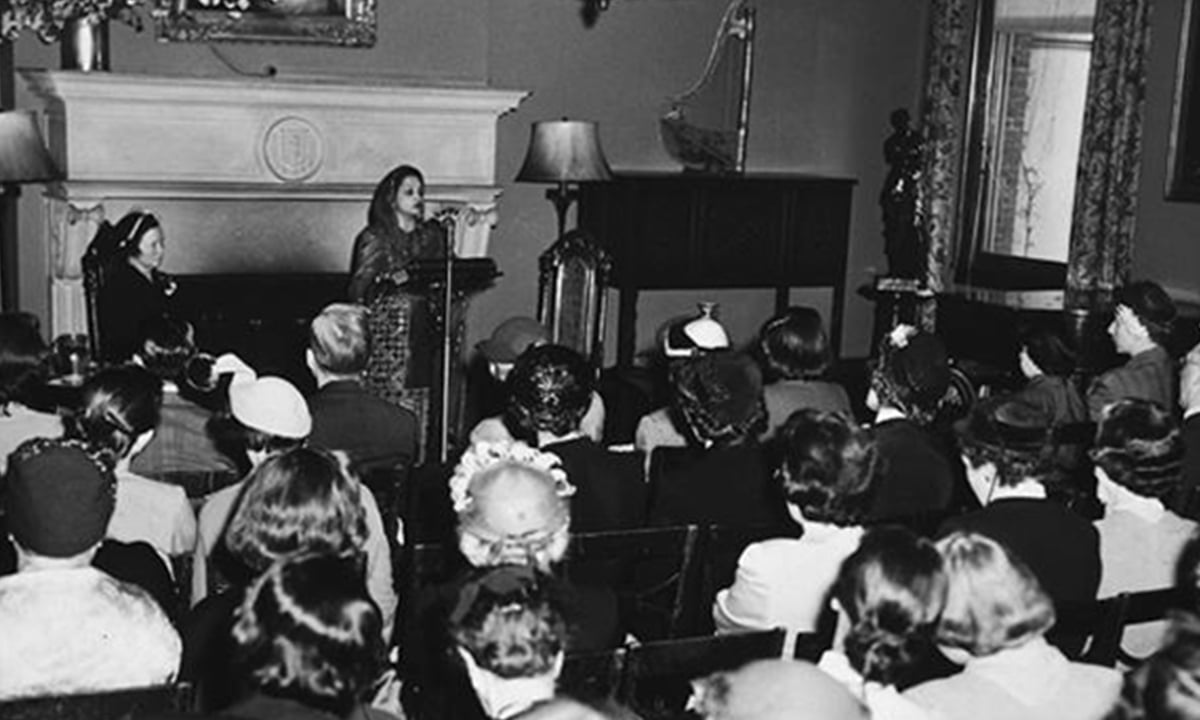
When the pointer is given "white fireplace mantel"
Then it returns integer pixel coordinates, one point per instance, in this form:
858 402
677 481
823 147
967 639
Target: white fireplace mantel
195 145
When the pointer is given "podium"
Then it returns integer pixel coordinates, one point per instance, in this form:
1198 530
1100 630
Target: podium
445 284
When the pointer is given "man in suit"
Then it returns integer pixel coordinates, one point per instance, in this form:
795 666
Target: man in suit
1141 324
345 415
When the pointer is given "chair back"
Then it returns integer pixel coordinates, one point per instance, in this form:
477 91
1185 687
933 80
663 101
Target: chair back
96 260
723 546
1150 606
658 675
655 572
111 705
1090 631
572 283
593 676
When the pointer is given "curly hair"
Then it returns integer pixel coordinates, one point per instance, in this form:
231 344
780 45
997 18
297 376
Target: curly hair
993 600
912 376
23 355
1048 351
719 397
550 388
119 404
828 466
510 621
1139 445
893 589
308 631
793 345
300 500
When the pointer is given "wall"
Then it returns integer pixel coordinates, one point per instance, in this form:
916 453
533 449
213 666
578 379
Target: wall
1167 248
828 72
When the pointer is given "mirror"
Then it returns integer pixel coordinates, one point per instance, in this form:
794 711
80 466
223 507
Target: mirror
1026 122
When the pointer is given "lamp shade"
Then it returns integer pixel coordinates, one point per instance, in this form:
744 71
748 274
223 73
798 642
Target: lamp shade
564 151
23 154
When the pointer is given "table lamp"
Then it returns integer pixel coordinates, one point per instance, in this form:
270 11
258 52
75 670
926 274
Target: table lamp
564 152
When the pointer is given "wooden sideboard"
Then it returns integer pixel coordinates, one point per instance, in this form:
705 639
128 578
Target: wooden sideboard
682 231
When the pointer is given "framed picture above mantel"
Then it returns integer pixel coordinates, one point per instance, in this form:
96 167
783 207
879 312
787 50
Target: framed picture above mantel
349 23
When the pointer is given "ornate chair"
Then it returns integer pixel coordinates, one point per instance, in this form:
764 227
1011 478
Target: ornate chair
572 285
96 261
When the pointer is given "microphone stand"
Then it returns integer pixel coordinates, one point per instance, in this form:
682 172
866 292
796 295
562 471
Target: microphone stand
448 224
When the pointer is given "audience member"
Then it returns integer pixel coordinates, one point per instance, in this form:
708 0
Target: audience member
549 392
888 595
827 470
1164 687
774 690
510 634
1006 453
993 623
270 416
297 500
723 477
308 642
22 373
68 627
135 290
1189 400
181 441
1141 324
794 352
508 342
346 416
909 380
119 414
680 340
1137 454
1047 363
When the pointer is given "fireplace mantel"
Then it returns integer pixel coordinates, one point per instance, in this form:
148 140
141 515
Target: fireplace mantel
224 160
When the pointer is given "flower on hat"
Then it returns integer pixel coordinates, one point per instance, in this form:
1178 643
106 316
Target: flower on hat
899 336
485 455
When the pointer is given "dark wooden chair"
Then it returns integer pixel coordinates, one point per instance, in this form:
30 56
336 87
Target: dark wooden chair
1149 606
1090 631
658 675
654 572
389 484
112 705
594 676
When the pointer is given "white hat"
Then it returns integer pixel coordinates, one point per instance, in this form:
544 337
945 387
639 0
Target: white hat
695 337
271 405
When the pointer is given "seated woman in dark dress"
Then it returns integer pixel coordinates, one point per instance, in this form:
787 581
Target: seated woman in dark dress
723 476
134 288
909 380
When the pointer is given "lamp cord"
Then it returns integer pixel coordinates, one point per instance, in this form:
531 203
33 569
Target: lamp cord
268 71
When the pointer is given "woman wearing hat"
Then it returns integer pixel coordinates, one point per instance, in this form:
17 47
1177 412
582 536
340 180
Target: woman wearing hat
395 235
134 288
908 382
1142 322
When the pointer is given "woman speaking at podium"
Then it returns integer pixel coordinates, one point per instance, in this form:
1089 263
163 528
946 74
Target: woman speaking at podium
396 233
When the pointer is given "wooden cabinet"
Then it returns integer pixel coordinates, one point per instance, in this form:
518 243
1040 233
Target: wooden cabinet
679 231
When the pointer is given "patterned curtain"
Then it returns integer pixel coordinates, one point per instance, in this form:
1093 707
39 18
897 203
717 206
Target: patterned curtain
1106 190
943 122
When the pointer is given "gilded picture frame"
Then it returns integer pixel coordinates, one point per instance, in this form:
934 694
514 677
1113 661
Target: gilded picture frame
1183 153
349 23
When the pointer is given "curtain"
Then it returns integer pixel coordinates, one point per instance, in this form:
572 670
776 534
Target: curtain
944 107
1104 216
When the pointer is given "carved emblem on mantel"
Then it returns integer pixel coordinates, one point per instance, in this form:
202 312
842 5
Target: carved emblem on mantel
293 149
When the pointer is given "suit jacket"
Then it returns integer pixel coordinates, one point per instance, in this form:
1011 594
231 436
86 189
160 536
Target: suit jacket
372 431
1149 375
917 476
610 490
1061 548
